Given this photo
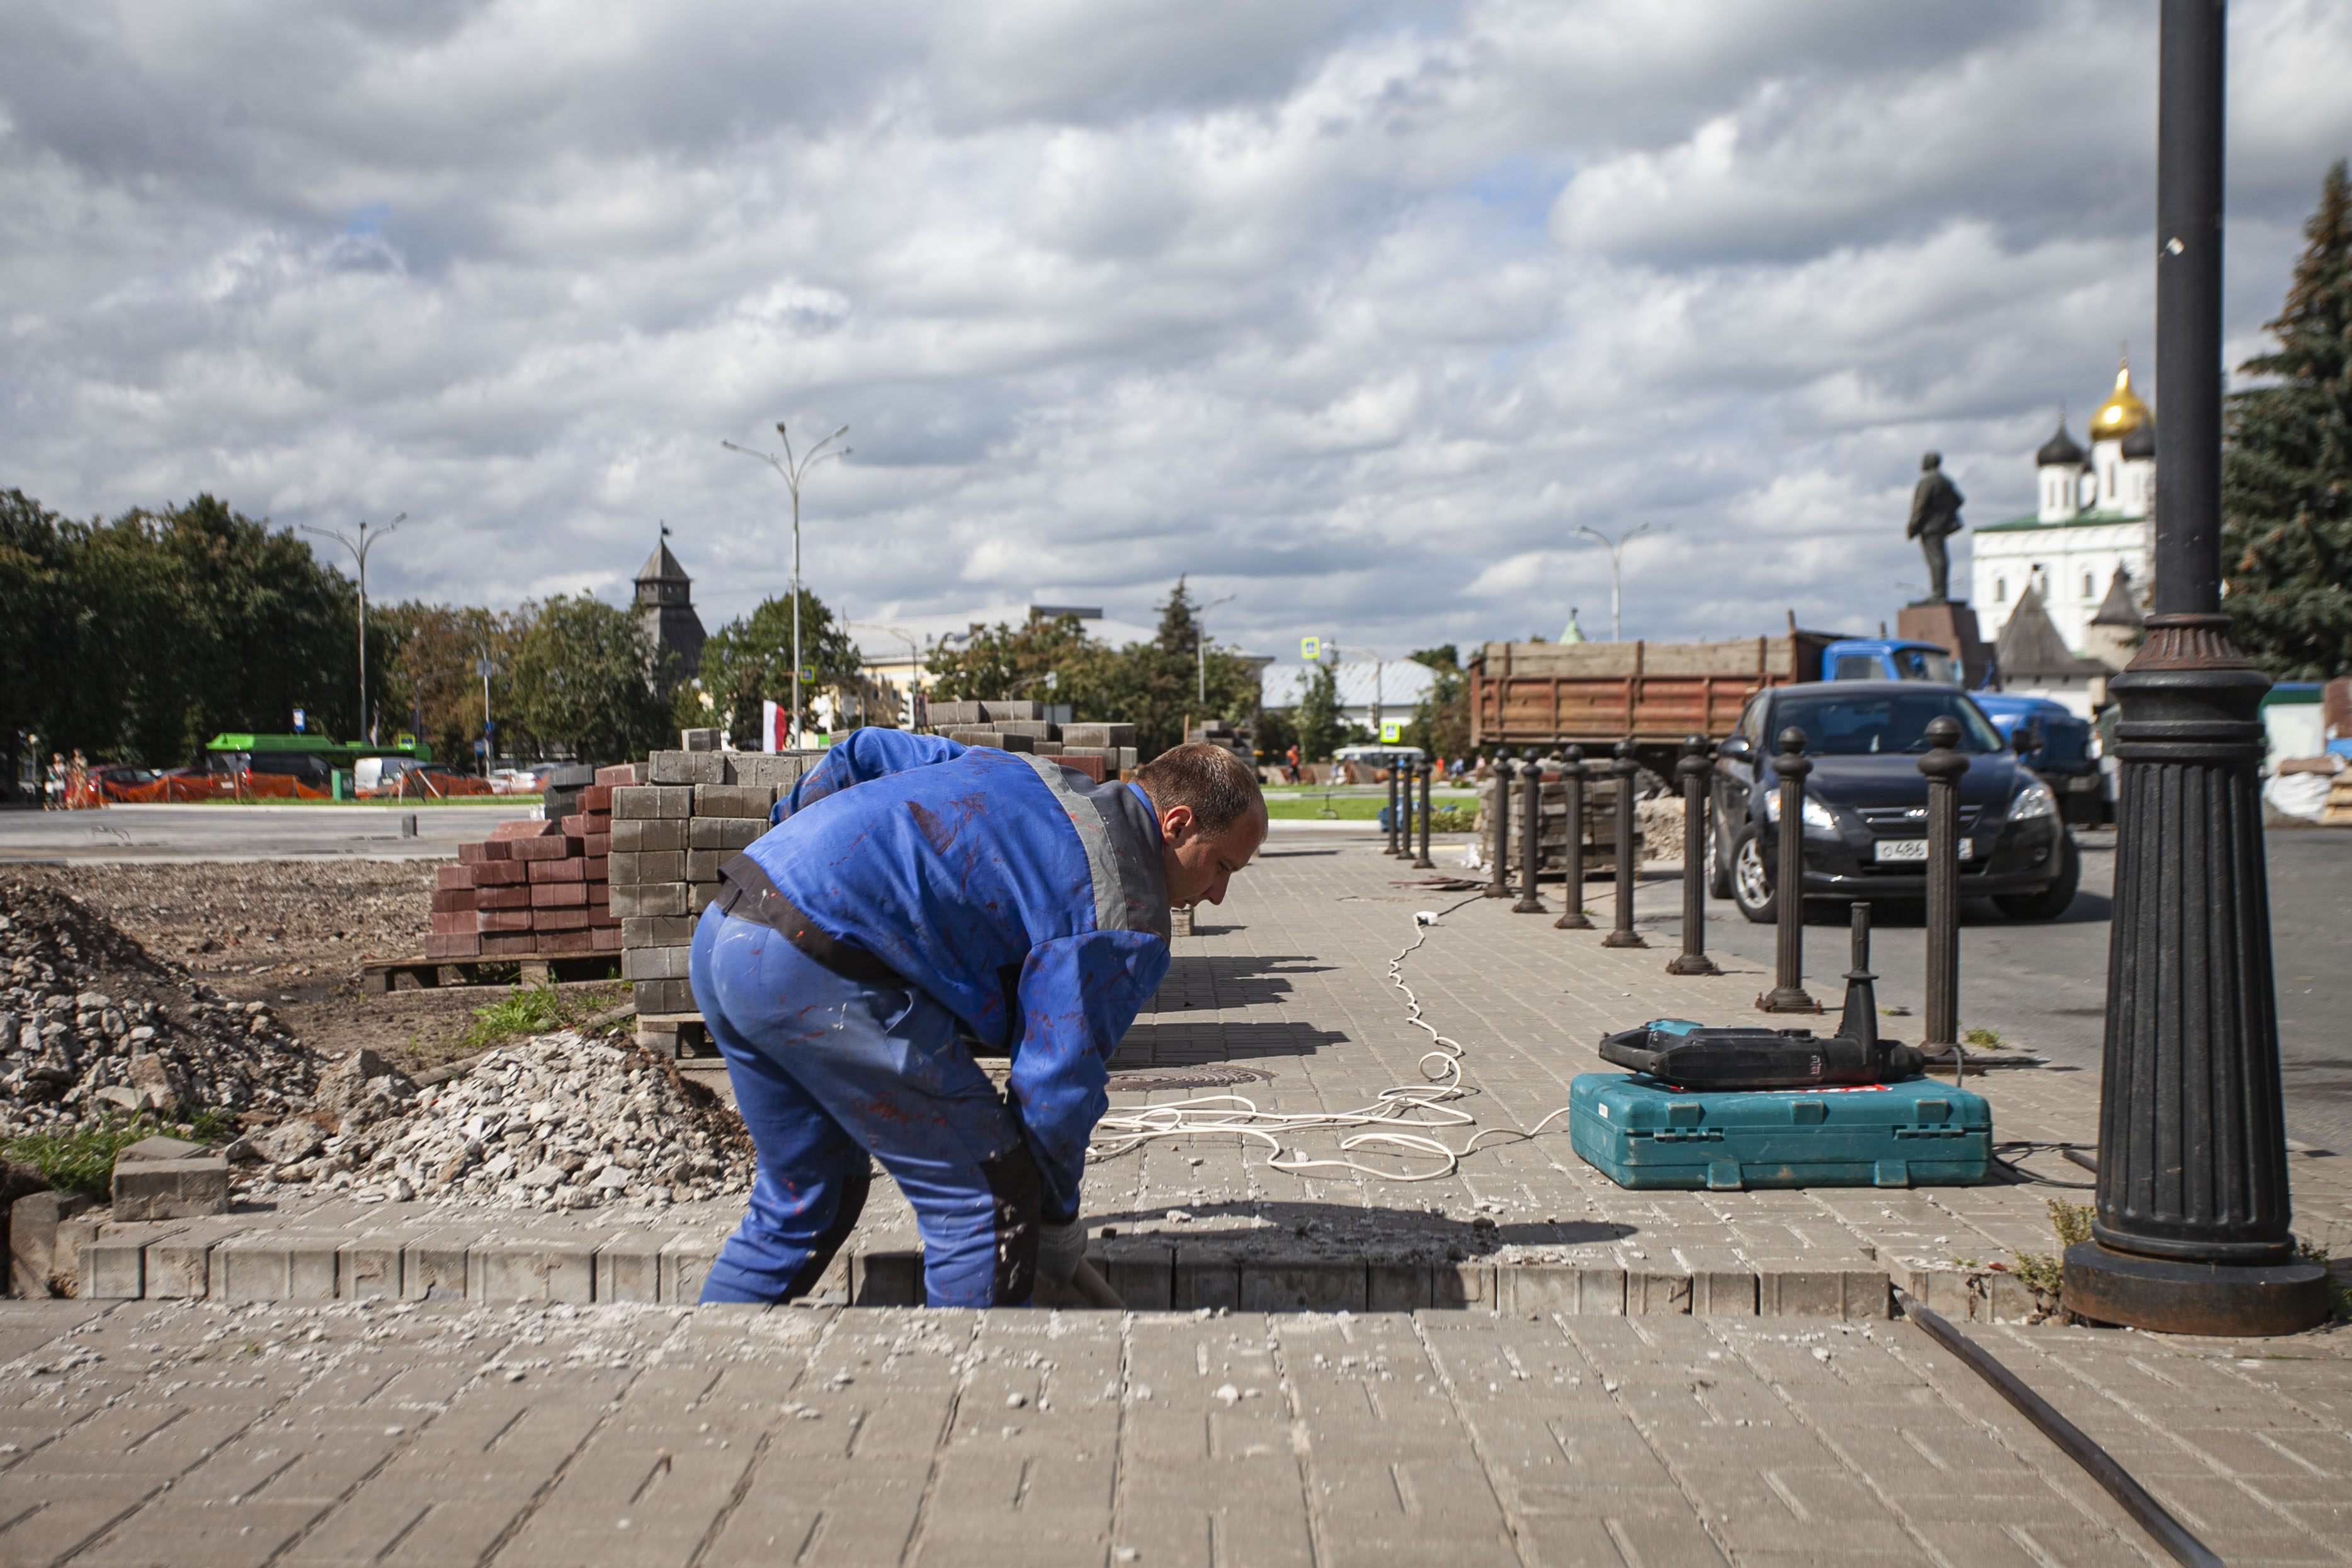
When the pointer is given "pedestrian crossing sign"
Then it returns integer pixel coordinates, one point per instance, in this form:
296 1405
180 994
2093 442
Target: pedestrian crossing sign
1391 732
1310 649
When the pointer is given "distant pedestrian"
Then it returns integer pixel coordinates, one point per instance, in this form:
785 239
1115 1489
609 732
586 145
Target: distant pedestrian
53 789
1291 760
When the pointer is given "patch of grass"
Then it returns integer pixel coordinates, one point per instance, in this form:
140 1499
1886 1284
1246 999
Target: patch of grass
2071 1221
2042 1273
81 1159
1983 1040
537 1010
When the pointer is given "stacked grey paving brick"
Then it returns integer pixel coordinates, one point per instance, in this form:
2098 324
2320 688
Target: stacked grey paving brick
1023 727
683 815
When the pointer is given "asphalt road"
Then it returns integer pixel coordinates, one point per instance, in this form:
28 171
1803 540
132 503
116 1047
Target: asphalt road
235 832
2042 986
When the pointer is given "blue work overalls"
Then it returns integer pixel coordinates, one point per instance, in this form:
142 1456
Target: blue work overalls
954 893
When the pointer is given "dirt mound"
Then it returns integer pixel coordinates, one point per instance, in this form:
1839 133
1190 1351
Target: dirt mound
554 1122
91 1021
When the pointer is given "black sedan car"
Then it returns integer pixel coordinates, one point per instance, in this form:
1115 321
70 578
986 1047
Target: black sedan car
1866 817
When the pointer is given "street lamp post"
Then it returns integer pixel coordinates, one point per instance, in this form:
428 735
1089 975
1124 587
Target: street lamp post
1616 557
793 470
360 547
1201 642
485 668
2193 1205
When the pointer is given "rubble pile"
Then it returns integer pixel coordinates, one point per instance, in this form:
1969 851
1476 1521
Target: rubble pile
556 1121
90 1022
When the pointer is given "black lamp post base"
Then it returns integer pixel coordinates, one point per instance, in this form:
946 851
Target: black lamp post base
1530 905
1623 939
1575 920
2166 1297
1692 964
1495 892
1787 999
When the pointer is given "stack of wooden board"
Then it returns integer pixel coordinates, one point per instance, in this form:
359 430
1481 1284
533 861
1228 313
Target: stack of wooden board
531 888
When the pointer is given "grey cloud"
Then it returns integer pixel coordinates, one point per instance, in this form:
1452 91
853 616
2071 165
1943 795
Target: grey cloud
1356 312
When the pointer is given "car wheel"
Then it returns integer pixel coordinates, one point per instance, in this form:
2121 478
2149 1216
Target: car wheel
2052 900
1752 884
1719 869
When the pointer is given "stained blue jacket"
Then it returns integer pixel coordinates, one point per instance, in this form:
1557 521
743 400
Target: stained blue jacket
1026 900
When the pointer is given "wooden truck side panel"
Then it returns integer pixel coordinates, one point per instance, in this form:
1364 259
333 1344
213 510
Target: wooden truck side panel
1599 693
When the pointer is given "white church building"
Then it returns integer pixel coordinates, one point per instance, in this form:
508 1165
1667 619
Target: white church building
2094 534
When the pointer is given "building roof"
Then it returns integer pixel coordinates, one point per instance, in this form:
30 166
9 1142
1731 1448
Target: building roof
1398 683
2141 442
2059 451
2119 608
2029 523
2030 645
661 566
2122 412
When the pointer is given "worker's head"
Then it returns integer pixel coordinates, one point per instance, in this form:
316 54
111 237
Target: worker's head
1212 818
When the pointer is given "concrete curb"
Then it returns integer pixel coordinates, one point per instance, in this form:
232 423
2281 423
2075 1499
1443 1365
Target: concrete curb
208 1261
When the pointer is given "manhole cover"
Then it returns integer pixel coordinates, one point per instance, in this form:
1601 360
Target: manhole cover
1185 1078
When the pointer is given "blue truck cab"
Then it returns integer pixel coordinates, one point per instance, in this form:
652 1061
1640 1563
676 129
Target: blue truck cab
1888 658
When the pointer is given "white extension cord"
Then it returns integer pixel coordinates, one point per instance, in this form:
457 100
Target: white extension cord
1406 1117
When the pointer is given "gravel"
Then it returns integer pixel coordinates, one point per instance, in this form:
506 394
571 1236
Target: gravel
555 1121
90 1021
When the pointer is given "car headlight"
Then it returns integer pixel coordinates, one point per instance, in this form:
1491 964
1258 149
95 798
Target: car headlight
2034 800
1818 818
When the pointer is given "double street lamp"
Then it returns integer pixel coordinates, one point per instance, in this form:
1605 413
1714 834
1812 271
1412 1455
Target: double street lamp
360 547
793 471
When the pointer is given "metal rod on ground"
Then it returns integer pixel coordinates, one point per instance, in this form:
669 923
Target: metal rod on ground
1696 767
1788 994
1531 834
1629 849
1395 824
2191 1235
2169 1532
1944 765
1498 883
1573 774
1422 862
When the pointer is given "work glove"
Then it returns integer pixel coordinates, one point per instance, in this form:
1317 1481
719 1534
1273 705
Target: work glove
1061 1248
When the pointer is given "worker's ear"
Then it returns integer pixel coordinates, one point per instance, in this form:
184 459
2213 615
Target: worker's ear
1176 823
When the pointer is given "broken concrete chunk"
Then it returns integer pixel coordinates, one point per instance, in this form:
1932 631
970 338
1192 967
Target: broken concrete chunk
288 1142
170 1189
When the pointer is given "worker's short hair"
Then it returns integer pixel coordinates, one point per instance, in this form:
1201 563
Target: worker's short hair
1219 787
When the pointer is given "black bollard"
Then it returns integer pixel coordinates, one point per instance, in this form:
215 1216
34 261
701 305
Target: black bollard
1788 992
1572 774
1629 849
1943 766
1396 821
1530 834
1696 767
1498 883
1422 862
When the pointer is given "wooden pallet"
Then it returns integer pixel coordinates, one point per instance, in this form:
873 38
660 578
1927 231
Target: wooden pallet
379 975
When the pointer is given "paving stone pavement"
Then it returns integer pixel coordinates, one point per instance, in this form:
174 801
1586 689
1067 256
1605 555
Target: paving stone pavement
194 1434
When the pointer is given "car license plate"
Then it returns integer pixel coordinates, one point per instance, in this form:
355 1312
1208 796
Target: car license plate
1901 850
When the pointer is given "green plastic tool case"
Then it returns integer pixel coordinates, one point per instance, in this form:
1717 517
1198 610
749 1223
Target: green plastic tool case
1640 1133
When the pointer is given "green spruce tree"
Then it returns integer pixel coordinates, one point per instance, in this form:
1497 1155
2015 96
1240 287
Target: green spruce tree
2286 472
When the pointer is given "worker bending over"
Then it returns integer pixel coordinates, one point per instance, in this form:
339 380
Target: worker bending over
916 898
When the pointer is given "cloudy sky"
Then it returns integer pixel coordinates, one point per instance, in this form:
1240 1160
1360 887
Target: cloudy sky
1354 313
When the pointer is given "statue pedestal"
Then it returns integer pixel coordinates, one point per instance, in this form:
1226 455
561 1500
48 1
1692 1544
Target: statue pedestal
1952 627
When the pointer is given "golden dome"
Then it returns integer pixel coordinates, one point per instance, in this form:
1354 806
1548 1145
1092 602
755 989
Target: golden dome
2122 412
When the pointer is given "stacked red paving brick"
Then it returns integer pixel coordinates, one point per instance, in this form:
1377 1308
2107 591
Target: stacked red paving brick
1100 751
532 888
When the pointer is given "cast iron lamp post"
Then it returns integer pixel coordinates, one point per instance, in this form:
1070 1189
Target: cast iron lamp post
2192 1234
794 471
